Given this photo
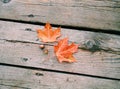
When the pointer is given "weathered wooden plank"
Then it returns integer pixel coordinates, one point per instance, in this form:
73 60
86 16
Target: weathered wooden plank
15 50
87 40
17 78
99 63
101 14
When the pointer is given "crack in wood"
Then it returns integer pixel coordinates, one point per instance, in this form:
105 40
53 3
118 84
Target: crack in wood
59 71
18 41
74 4
32 15
14 86
94 48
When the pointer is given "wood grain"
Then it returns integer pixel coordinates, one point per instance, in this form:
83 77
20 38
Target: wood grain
93 41
100 14
18 46
18 78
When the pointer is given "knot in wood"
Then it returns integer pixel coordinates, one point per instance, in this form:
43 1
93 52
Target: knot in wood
39 74
92 45
89 44
25 59
31 15
28 29
5 1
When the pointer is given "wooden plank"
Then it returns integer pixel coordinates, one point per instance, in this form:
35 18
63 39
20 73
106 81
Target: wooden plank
100 14
18 78
88 40
19 46
99 63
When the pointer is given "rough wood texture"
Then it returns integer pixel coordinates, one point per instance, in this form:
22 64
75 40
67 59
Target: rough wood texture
17 78
87 40
18 46
101 14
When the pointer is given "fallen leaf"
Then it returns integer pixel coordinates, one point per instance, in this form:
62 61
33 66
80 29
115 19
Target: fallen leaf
64 51
48 34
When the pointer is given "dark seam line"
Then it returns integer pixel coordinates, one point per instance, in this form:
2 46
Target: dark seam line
15 86
80 47
109 31
58 71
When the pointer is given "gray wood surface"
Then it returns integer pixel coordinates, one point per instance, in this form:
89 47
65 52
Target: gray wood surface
101 14
18 46
18 78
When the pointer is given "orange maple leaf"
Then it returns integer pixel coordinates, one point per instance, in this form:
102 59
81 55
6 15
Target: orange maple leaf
64 51
48 34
